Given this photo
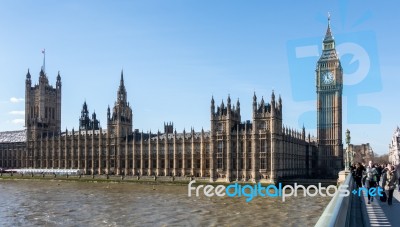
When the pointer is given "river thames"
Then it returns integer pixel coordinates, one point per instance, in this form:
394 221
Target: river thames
61 203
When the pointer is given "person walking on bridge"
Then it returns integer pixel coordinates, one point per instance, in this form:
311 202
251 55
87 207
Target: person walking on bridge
371 178
389 182
358 174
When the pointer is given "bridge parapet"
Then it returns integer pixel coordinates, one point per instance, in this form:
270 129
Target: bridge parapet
339 210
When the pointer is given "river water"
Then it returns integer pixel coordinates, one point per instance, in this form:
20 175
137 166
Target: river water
60 203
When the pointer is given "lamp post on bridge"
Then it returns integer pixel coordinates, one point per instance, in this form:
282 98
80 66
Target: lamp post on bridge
347 161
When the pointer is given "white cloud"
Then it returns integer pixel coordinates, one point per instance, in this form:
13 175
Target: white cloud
18 121
16 100
17 112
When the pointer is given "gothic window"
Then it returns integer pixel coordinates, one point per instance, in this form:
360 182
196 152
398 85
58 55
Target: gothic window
263 152
220 127
220 154
263 145
219 163
220 146
263 163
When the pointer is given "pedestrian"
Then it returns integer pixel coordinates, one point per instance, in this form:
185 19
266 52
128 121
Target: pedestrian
389 182
397 168
358 174
379 170
370 180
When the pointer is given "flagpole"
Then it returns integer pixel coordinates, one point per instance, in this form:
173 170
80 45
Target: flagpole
44 60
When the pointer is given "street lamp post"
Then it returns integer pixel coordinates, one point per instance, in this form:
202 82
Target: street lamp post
347 162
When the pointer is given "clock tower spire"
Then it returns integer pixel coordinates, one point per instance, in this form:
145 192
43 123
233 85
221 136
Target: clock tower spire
329 81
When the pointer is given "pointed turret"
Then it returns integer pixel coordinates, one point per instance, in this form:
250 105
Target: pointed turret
84 106
28 81
58 83
121 82
280 103
273 96
238 107
84 121
28 75
273 102
212 105
121 90
254 102
43 78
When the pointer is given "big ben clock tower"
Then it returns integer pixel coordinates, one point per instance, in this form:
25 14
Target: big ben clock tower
329 81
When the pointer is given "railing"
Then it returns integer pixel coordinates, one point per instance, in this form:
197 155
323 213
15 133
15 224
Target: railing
337 213
46 171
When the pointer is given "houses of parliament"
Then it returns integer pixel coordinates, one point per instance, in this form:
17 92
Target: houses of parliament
260 149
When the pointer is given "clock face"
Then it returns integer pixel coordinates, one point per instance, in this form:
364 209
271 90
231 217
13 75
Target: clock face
327 78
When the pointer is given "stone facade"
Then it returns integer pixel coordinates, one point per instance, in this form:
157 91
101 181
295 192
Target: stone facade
394 148
258 150
233 150
363 153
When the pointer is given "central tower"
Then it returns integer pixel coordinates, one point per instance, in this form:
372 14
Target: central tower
119 123
329 81
42 106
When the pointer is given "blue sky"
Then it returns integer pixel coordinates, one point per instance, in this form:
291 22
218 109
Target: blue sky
177 54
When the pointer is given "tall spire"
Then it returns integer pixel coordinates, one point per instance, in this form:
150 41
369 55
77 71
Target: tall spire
28 75
328 35
121 89
121 83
